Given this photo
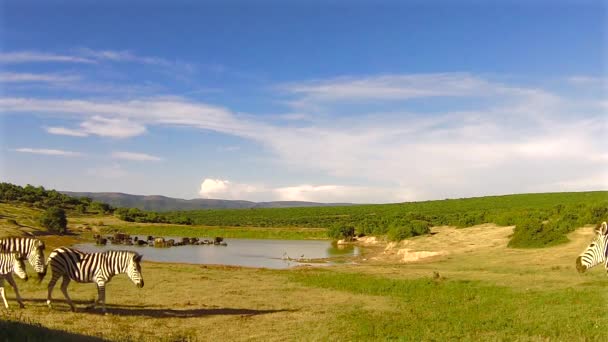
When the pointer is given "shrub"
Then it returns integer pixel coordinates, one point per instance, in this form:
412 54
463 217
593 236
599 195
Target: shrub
54 220
533 233
341 231
399 231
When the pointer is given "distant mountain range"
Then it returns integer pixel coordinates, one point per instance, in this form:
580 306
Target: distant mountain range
162 203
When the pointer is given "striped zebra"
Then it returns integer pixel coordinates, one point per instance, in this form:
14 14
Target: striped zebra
11 262
30 248
596 252
98 268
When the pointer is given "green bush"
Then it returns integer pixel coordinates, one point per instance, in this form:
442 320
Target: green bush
533 233
341 231
403 230
54 220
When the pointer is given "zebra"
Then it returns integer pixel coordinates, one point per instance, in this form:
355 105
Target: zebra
11 262
99 268
30 248
596 252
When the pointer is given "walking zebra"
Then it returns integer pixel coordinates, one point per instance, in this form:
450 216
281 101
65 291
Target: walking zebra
596 252
98 268
9 263
30 248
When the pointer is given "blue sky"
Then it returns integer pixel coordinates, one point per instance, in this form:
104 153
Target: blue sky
329 101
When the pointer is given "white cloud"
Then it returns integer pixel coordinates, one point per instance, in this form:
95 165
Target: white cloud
9 77
509 139
224 189
393 87
38 57
112 127
102 126
342 194
48 152
66 131
135 156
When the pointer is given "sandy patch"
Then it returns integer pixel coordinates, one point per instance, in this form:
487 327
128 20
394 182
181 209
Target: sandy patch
442 241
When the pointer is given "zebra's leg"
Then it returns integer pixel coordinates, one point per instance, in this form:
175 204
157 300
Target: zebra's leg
11 281
64 288
2 293
51 287
101 294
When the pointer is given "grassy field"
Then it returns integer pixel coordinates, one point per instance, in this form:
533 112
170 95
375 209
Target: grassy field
110 224
478 289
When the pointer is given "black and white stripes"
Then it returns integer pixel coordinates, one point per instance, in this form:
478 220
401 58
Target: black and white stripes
30 248
596 252
96 268
11 262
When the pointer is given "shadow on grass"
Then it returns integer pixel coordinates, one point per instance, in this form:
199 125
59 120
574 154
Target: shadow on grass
189 313
20 331
83 306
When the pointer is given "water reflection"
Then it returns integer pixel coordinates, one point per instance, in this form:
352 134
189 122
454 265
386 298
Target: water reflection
239 252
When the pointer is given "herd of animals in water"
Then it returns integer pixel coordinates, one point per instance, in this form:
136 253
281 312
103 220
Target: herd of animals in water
99 268
151 241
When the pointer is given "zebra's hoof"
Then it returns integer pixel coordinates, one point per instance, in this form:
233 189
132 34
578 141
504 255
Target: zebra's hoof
21 306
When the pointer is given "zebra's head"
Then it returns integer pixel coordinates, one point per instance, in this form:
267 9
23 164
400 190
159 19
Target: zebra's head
595 252
19 266
36 257
134 270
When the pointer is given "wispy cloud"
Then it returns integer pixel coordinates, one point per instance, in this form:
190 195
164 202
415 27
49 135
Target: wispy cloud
38 57
509 138
392 87
134 156
48 152
8 77
66 131
102 126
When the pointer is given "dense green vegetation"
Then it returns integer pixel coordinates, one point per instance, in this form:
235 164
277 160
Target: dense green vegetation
39 197
541 219
54 220
438 309
544 219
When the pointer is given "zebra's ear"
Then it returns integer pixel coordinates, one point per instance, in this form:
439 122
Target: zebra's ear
137 258
603 229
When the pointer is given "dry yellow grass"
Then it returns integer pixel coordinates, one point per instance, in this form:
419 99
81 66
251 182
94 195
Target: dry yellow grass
203 303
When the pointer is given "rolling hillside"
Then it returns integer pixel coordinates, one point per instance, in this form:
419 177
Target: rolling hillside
162 203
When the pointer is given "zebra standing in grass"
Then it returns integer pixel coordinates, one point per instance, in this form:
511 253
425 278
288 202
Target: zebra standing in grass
98 268
11 262
30 248
596 252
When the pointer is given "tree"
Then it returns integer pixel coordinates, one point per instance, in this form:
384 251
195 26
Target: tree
340 231
54 220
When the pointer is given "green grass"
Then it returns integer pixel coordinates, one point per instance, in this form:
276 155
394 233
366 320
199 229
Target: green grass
429 309
226 232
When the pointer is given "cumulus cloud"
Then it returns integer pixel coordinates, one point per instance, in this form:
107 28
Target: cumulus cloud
48 152
135 156
224 189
